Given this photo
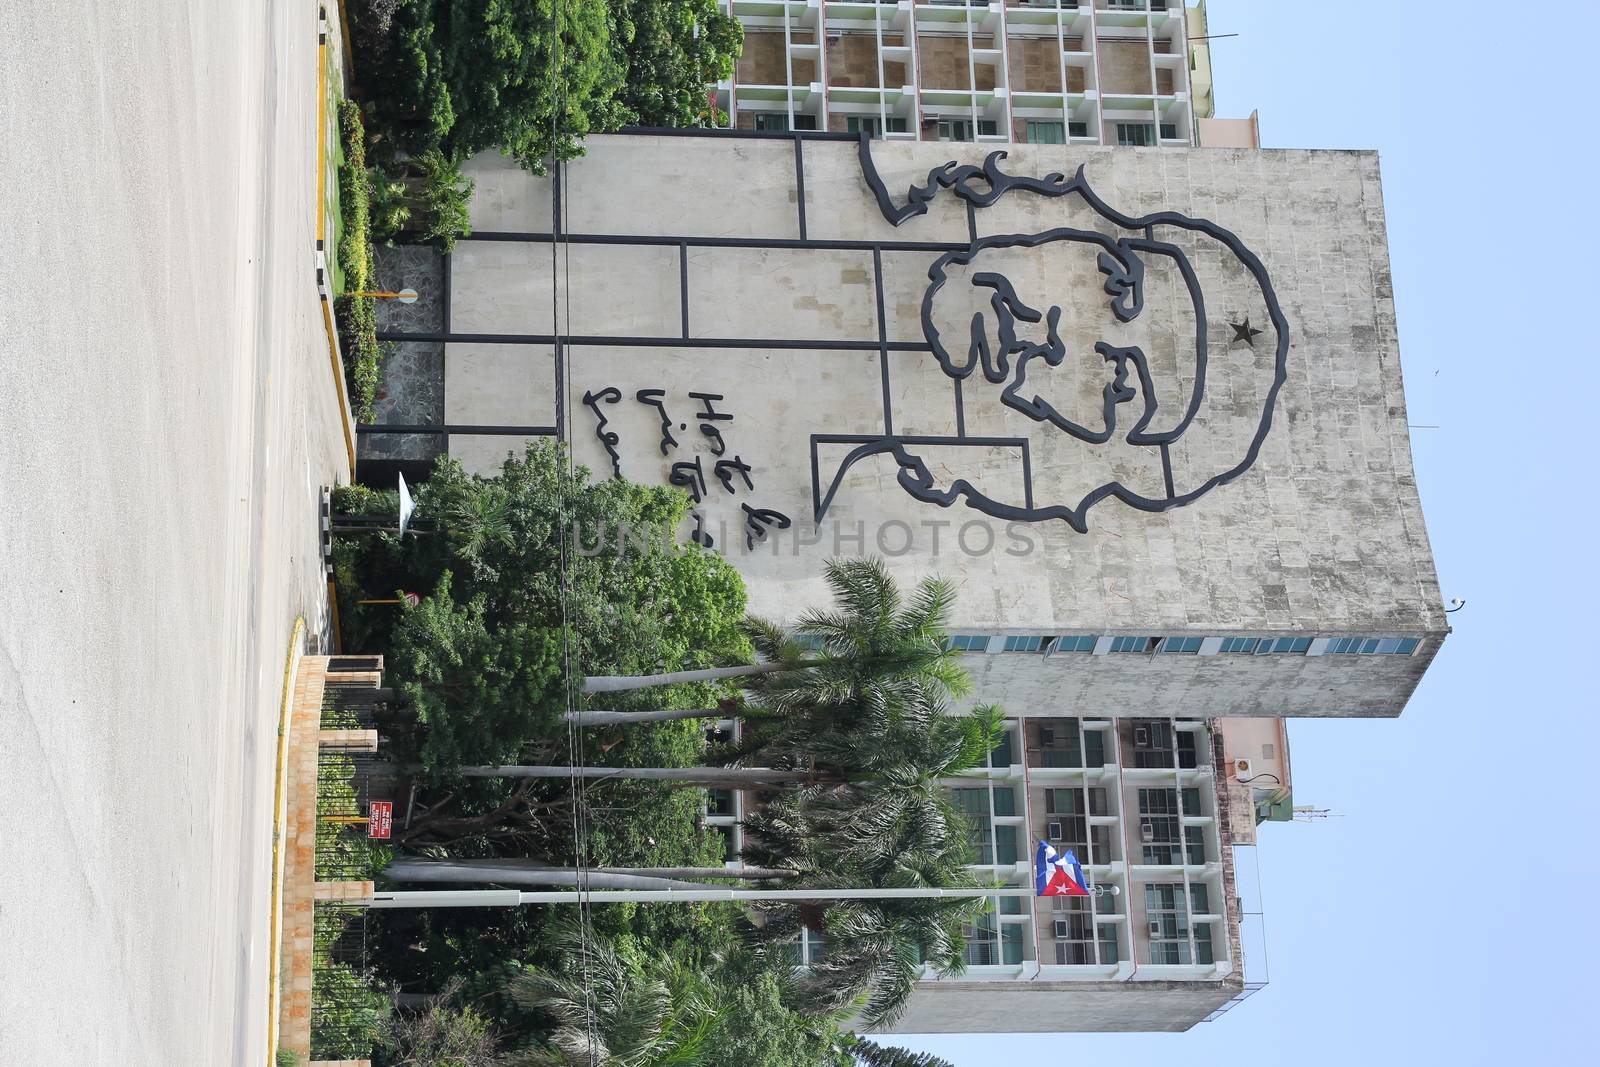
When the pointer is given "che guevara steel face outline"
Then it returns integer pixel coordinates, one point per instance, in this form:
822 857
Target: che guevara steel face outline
1122 262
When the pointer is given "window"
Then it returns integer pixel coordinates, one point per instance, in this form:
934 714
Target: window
1372 646
1135 134
1001 756
1269 645
1094 751
872 126
1167 923
974 804
1156 744
1181 644
1005 845
1077 129
990 941
1046 133
1246 645
1163 840
719 802
967 642
1169 131
1083 643
1067 825
1024 644
1058 744
1133 644
961 129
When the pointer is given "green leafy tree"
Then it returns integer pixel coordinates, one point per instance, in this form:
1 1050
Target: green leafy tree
481 689
530 77
674 52
483 658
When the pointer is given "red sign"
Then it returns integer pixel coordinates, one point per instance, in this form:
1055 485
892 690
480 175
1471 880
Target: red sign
380 819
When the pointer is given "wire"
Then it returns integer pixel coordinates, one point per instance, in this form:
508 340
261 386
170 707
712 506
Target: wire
578 790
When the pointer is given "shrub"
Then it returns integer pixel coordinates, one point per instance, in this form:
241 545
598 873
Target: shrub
346 1012
356 316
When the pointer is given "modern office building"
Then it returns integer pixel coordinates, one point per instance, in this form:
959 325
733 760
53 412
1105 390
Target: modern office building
1156 810
1083 72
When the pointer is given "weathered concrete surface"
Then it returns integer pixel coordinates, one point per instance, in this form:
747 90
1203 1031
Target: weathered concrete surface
1322 536
166 412
958 1007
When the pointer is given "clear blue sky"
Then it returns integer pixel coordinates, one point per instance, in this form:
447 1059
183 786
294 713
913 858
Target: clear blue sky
1447 917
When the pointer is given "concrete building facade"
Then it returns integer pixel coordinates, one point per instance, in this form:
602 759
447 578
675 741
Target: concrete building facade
1246 539
1085 72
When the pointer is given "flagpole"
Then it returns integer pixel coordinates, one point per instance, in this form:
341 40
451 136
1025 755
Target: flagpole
478 898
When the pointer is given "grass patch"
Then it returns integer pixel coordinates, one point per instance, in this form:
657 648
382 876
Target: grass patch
357 315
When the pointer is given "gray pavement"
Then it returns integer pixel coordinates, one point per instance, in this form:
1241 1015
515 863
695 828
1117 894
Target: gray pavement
166 414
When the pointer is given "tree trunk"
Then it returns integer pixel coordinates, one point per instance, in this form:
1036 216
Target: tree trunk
617 683
509 873
708 777
608 718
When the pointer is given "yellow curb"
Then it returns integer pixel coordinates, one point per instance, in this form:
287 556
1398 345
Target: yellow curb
279 798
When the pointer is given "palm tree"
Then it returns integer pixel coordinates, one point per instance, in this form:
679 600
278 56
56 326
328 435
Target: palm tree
872 1054
896 829
607 1013
871 653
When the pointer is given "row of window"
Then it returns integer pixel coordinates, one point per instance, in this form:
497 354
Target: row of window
1244 646
1130 134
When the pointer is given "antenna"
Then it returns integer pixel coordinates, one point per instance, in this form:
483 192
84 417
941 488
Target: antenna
1307 813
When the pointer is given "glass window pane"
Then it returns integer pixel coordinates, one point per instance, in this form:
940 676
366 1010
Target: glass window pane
1001 756
1005 844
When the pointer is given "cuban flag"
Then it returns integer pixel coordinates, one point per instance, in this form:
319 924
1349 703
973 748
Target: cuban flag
1057 875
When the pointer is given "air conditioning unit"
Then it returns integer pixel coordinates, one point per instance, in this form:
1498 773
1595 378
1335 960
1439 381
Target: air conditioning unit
1242 770
1060 927
1053 831
1147 832
1153 928
1141 736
